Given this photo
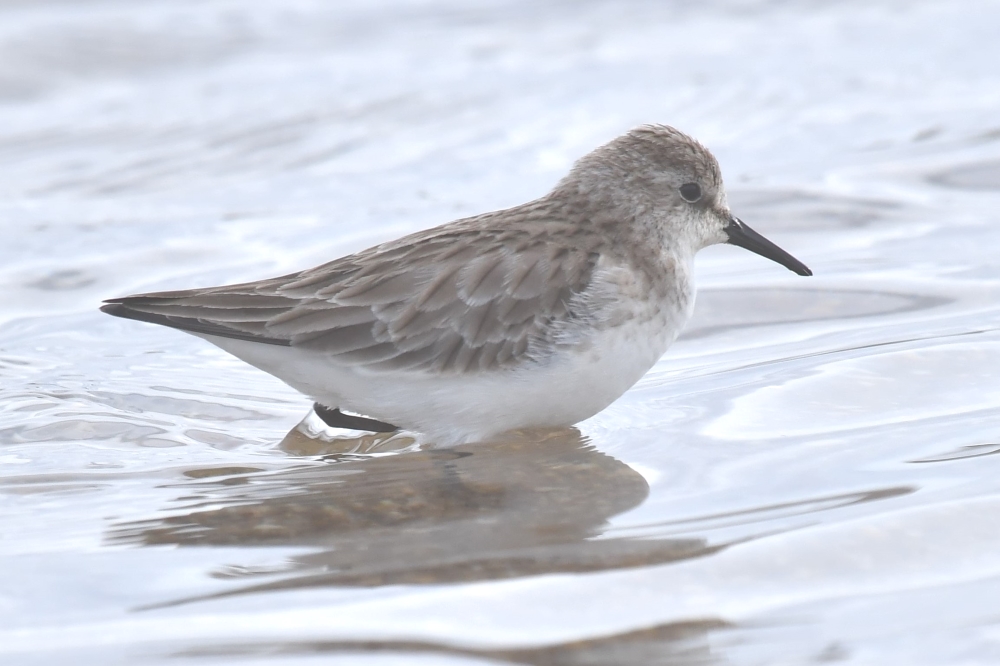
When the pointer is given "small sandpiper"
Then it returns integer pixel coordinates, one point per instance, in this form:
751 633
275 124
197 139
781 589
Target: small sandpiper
539 315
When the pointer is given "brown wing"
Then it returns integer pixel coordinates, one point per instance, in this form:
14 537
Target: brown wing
453 299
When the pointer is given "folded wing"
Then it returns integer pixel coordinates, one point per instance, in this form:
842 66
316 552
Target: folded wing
434 302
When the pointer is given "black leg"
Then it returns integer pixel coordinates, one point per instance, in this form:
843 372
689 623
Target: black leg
337 419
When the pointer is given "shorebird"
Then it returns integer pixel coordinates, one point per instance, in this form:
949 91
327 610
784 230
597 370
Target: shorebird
538 315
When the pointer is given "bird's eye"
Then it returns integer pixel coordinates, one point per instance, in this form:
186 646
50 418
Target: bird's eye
691 192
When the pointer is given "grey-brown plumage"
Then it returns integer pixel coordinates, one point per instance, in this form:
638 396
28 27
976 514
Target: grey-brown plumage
606 253
457 298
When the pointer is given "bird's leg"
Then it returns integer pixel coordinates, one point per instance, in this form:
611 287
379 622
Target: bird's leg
337 419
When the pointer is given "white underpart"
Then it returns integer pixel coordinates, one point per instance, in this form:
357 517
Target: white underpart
577 381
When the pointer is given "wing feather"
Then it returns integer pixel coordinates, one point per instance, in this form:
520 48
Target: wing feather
459 298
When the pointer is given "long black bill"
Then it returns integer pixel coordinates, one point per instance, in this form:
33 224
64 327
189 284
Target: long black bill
745 237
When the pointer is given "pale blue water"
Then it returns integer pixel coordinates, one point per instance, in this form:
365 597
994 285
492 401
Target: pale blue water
806 477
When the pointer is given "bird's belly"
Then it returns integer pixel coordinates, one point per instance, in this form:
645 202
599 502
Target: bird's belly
573 384
585 380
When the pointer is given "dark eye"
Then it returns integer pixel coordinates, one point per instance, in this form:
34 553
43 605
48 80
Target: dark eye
691 192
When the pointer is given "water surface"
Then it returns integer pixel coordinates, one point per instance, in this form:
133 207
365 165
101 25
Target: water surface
808 476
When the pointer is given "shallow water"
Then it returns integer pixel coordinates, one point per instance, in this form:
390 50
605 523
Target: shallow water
808 476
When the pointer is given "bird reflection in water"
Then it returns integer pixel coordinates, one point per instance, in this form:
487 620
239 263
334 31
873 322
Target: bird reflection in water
527 504
674 644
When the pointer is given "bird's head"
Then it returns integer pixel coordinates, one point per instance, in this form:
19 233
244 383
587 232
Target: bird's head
670 186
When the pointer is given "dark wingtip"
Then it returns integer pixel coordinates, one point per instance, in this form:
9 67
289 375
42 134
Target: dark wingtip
114 308
118 307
